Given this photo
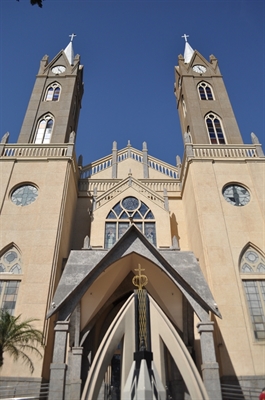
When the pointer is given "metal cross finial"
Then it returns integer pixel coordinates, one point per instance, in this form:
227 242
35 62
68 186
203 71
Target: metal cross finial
185 37
72 36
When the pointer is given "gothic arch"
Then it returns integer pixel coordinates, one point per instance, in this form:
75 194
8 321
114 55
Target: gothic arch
215 128
53 92
126 211
252 274
44 129
10 265
244 249
205 91
121 328
9 246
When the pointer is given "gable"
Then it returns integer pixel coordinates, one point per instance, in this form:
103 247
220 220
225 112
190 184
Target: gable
129 161
85 266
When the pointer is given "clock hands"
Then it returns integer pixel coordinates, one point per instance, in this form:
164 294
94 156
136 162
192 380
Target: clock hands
237 195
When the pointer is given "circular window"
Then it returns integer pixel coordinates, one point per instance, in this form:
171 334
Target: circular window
10 256
130 203
236 195
251 256
24 195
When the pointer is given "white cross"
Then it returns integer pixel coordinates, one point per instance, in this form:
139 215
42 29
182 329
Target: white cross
72 36
185 37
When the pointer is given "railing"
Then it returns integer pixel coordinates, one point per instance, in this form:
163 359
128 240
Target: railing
35 151
237 392
103 185
165 168
159 186
124 154
25 391
226 151
96 167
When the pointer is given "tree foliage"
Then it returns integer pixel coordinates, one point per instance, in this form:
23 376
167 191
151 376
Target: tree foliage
33 2
38 2
17 338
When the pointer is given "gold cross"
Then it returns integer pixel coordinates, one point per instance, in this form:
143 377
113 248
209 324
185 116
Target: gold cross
140 280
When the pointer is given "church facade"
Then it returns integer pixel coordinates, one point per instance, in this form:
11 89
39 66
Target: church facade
147 279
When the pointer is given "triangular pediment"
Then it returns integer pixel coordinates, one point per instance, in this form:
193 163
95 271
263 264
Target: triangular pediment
61 59
85 266
198 59
125 185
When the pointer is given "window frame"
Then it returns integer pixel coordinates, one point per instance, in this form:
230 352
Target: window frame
52 87
120 218
214 136
204 86
253 284
45 136
9 280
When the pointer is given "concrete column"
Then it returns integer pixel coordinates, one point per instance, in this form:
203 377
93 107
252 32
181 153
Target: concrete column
58 365
210 368
166 205
145 161
76 362
114 160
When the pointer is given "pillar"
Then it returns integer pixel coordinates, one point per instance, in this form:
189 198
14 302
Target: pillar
58 365
75 383
210 368
114 160
145 161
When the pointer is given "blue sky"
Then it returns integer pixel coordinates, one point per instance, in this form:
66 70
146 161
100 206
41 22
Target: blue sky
129 50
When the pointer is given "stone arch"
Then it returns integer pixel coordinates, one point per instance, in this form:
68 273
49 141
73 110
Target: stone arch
244 249
9 246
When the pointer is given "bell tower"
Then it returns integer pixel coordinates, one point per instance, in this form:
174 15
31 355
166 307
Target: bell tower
203 104
54 106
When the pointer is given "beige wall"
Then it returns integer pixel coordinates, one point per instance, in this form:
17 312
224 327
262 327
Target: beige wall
41 231
217 233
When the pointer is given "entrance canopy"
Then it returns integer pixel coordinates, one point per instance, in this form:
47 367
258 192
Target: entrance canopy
85 266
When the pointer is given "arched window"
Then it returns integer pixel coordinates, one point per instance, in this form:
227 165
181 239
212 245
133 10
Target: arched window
215 130
252 270
44 130
205 91
123 214
10 263
184 107
53 92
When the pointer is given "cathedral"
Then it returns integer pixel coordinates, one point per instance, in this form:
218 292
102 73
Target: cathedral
146 279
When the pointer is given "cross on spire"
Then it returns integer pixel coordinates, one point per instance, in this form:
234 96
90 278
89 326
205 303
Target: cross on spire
185 37
72 36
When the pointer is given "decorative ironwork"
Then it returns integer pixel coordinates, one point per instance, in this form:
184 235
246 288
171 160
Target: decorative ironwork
140 281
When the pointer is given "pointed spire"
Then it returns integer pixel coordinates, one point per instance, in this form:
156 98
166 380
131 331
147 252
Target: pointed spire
69 51
188 52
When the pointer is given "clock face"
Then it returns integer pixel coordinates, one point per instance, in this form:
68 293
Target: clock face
236 195
59 69
200 69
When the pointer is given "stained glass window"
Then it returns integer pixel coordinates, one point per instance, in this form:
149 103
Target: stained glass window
44 130
53 92
253 262
205 91
23 196
214 128
127 211
10 263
